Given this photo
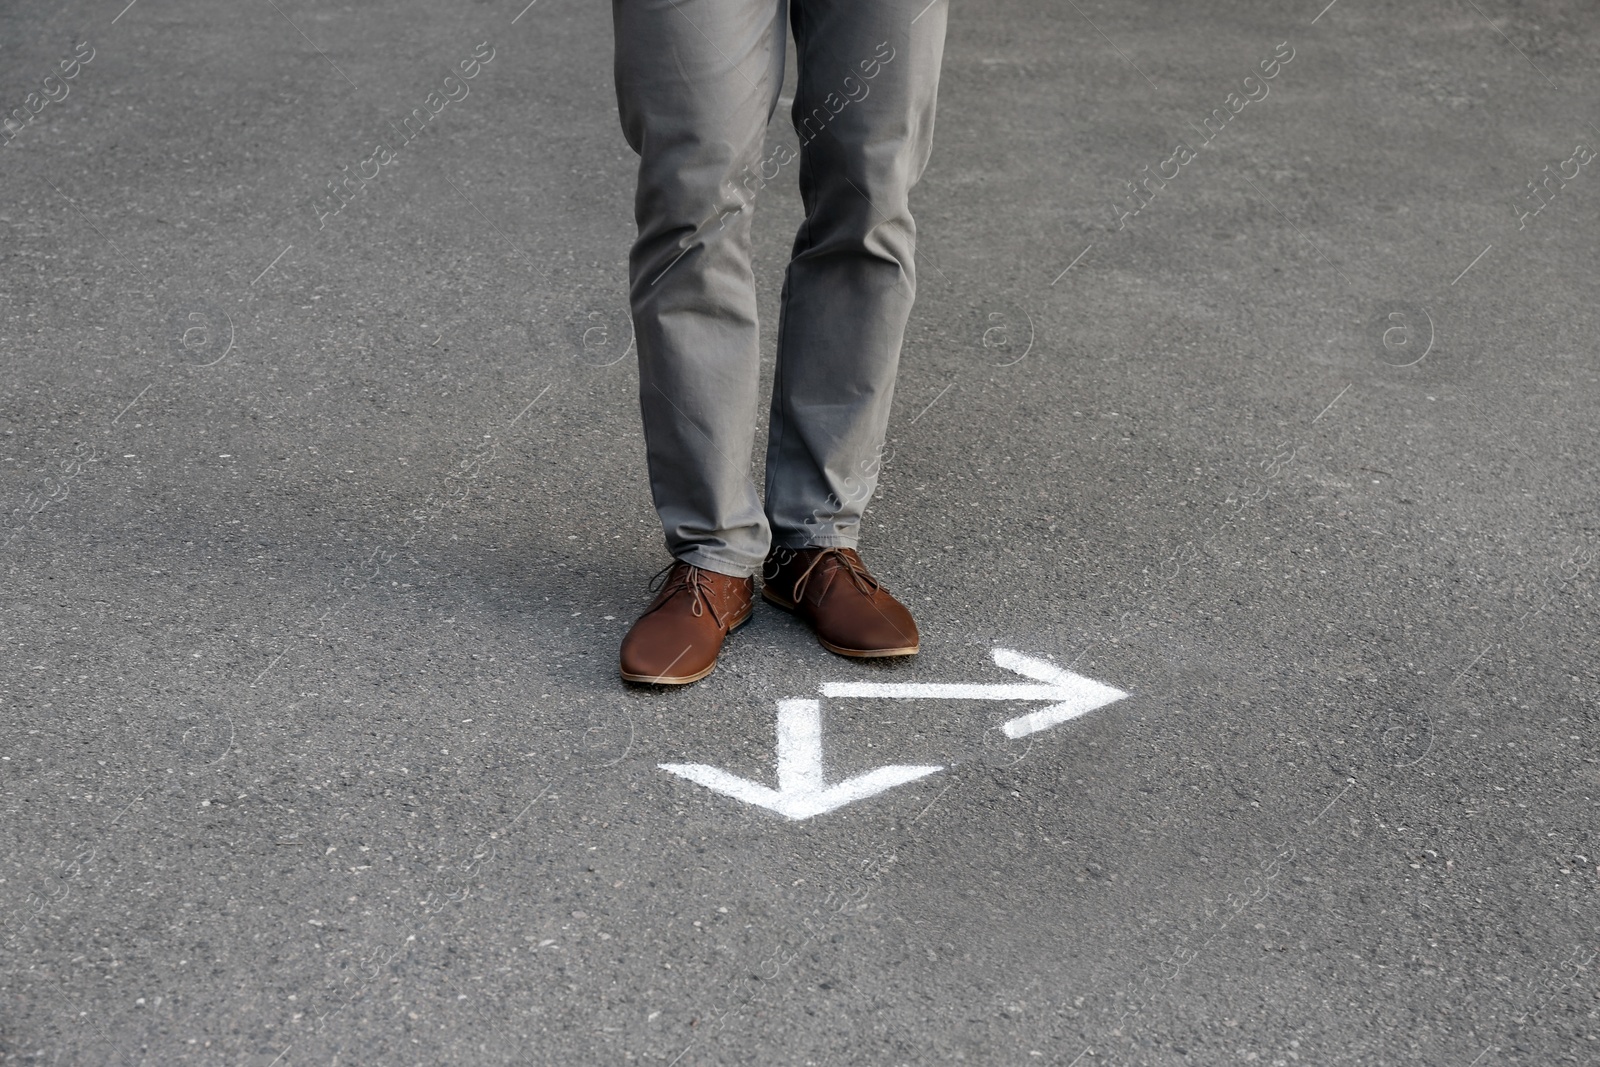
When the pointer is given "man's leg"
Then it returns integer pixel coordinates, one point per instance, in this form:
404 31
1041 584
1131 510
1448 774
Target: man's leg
868 78
869 74
697 82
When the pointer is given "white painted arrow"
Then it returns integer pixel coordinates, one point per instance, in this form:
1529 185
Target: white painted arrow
801 792
1072 693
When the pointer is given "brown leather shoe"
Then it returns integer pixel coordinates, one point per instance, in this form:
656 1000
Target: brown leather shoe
852 612
677 639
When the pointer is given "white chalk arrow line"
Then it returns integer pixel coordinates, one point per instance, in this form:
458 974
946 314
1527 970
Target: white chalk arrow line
1071 694
801 791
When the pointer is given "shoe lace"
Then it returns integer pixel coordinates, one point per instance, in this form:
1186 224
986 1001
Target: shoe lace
858 573
679 576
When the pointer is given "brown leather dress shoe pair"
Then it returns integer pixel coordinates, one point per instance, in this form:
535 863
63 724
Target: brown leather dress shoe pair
678 638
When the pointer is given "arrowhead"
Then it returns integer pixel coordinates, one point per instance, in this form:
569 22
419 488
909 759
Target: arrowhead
720 781
801 792
1077 695
805 805
1040 670
802 803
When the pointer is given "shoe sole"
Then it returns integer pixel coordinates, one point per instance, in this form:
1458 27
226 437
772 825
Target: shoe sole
682 679
852 653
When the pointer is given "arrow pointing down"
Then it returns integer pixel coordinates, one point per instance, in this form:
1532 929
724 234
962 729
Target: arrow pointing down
801 792
1073 693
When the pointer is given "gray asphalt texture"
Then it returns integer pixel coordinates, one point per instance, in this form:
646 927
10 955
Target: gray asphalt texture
320 539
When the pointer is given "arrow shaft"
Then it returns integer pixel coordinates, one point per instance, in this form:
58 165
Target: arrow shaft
799 746
932 691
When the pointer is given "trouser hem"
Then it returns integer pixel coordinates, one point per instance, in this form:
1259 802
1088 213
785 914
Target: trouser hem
802 542
705 561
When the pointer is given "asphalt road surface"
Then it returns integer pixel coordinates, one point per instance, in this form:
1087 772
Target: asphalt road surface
324 519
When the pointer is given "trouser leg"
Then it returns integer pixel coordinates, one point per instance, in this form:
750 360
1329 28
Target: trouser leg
697 83
864 110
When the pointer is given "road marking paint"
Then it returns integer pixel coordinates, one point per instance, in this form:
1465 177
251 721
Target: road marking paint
802 790
1073 694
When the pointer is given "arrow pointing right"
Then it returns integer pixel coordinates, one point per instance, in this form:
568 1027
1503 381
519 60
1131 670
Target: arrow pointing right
1074 695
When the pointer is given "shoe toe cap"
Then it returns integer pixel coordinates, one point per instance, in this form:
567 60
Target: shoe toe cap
660 653
880 626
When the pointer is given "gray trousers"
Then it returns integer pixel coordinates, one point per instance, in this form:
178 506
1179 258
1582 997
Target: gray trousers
697 85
